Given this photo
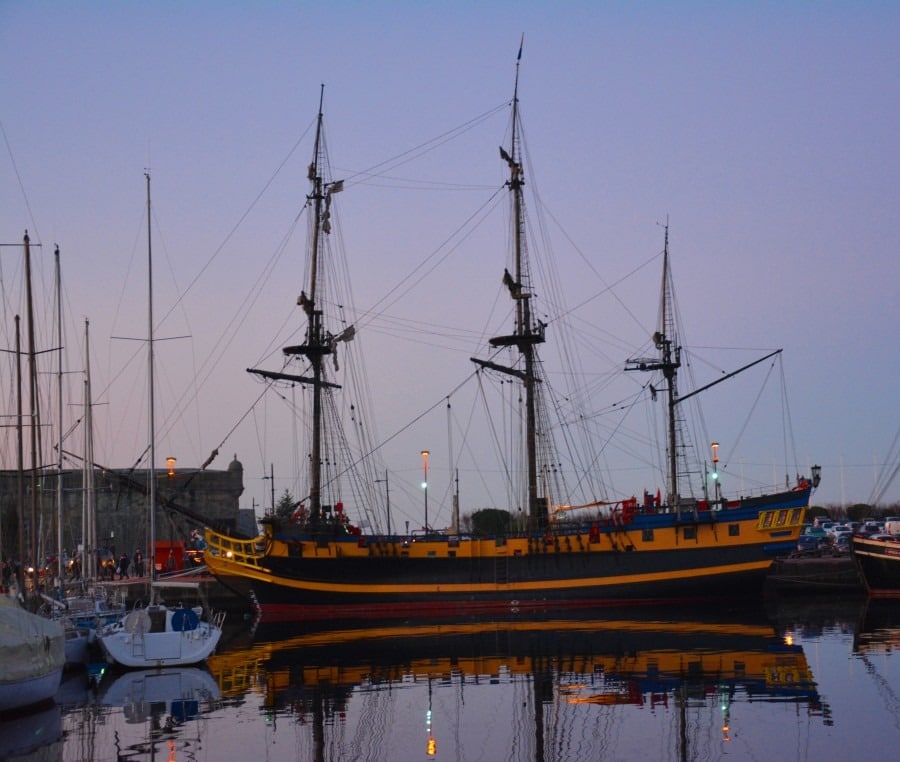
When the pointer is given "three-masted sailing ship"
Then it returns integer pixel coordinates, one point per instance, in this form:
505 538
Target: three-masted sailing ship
316 564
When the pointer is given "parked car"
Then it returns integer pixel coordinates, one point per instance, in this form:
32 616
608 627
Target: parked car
807 543
813 539
842 543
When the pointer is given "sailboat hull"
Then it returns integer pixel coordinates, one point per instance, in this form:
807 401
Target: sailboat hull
702 555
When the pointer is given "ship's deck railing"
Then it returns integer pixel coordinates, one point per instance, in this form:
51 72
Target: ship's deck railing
240 551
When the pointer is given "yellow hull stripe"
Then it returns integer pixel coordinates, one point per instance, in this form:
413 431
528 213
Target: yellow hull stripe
218 566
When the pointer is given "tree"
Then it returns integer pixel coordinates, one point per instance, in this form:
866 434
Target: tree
286 505
859 511
491 521
816 511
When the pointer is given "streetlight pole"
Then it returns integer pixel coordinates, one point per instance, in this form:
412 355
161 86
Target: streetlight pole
271 480
387 495
425 455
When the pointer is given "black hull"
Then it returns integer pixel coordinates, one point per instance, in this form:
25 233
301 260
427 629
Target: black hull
518 583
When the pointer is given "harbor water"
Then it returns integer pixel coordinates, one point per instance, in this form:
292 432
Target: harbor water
799 679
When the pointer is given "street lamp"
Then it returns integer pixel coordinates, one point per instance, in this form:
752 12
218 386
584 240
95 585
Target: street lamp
425 455
715 471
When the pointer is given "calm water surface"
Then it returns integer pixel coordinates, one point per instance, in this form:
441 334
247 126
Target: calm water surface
805 679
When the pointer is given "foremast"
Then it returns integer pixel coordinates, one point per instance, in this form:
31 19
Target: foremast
666 341
528 333
318 343
669 361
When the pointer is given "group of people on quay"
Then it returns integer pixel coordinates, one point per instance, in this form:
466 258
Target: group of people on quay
107 567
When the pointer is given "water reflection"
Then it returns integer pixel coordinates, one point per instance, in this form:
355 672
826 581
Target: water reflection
34 735
596 684
879 629
137 714
545 680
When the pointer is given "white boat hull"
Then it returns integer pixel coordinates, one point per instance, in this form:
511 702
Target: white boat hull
137 642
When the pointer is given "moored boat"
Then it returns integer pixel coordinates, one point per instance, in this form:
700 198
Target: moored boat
32 656
160 635
316 564
878 560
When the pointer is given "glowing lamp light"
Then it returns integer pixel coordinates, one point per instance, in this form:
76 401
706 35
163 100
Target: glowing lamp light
170 464
431 748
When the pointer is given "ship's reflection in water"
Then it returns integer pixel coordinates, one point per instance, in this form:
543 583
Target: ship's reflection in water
595 682
812 680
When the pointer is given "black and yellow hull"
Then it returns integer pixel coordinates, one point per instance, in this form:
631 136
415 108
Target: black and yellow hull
878 561
703 555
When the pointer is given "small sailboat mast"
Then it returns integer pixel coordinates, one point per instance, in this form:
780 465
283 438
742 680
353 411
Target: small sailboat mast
528 333
89 499
33 410
59 429
150 381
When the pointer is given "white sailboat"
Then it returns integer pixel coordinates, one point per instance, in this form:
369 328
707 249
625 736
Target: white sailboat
159 636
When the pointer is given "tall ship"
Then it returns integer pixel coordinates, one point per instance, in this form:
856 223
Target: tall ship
664 547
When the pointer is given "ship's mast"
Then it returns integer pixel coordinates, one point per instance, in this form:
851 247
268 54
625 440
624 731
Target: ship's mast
318 343
671 361
668 362
315 348
527 334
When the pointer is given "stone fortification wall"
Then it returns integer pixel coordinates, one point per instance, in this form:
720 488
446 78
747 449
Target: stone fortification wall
121 500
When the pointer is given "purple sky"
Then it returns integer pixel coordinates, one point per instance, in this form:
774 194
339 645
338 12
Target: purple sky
765 133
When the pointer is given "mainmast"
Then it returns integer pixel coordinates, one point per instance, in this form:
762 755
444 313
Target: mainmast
318 342
527 334
668 362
